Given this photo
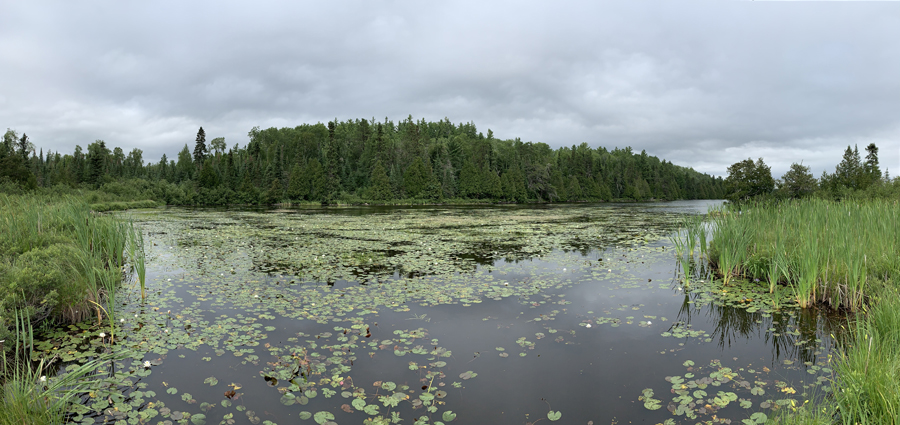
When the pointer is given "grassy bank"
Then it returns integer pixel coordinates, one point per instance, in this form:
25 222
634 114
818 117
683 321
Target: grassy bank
824 252
58 260
839 255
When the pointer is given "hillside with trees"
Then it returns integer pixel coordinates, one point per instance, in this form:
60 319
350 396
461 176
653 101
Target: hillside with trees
357 161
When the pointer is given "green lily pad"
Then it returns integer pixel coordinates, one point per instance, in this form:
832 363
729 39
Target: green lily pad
358 403
468 375
554 416
322 416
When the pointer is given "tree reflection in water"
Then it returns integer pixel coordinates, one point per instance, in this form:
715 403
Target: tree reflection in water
797 335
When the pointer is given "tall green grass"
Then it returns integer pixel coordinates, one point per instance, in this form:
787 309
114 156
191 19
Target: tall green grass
30 393
824 251
867 390
691 246
137 257
58 260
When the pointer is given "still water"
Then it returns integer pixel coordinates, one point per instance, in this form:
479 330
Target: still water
486 315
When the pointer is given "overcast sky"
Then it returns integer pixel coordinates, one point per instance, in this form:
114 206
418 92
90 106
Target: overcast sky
702 84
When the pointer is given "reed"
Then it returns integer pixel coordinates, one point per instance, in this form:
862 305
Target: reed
823 251
29 393
58 260
137 257
867 389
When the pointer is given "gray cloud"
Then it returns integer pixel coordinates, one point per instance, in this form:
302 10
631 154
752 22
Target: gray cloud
702 84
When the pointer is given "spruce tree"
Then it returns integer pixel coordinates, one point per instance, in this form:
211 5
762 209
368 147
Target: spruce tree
97 154
379 184
298 186
849 171
24 147
873 172
469 181
573 189
200 150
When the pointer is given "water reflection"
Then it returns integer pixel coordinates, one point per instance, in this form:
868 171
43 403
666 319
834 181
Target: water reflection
797 335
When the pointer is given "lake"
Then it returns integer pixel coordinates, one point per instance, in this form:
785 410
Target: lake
504 314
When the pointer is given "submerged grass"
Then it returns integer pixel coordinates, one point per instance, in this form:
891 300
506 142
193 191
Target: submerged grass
826 252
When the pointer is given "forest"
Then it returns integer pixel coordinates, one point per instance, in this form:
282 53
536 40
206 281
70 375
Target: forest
357 161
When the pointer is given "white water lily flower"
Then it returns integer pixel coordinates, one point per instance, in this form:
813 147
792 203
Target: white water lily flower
649 322
102 334
121 320
255 296
588 325
147 363
43 379
610 270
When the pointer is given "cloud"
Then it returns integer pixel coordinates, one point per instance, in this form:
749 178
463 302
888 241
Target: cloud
701 84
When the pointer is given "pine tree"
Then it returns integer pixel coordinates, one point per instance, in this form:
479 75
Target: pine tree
97 153
573 189
318 185
415 179
298 186
184 168
379 184
873 172
200 150
24 146
493 188
208 178
469 181
849 172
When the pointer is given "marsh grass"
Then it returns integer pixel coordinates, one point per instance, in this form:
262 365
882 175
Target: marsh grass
137 258
867 390
29 394
58 260
690 242
824 251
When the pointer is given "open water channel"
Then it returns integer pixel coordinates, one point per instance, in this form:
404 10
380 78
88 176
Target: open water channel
573 314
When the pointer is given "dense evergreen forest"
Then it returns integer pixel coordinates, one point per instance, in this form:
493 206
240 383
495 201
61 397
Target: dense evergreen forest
358 161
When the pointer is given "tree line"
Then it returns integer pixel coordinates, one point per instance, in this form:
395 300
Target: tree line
854 176
362 160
